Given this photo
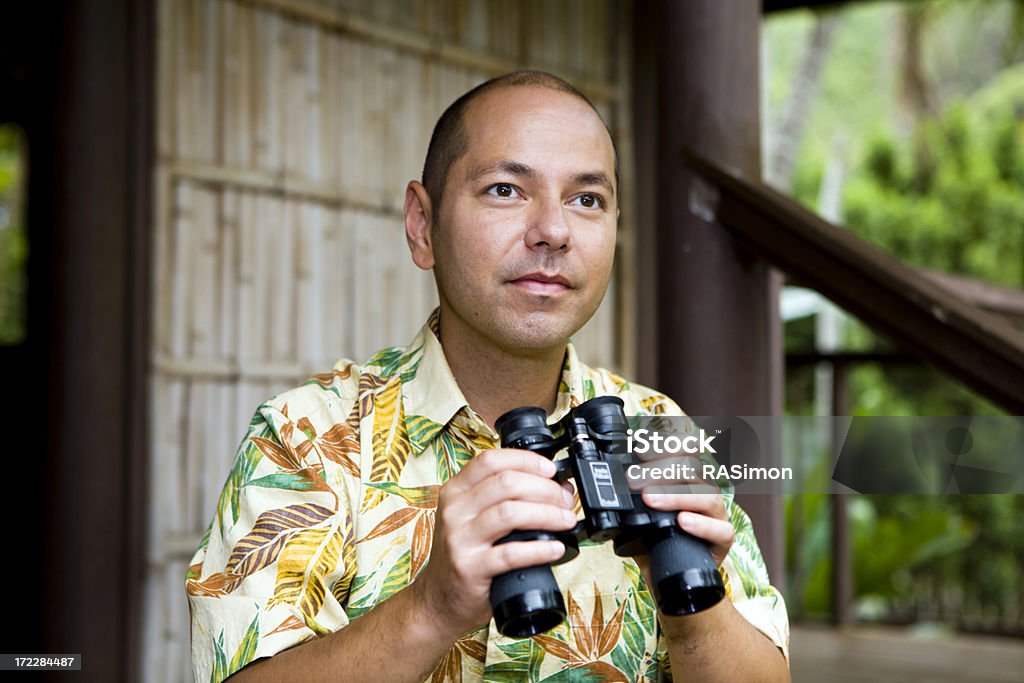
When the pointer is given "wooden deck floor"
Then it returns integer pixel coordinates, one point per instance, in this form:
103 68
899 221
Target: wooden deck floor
883 655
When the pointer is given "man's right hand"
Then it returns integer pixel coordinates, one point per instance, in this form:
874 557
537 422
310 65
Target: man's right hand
497 492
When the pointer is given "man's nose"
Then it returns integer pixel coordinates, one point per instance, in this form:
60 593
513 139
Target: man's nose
549 226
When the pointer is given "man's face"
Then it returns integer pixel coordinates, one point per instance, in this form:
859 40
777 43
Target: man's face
525 235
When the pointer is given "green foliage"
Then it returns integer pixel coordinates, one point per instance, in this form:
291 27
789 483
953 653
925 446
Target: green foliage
894 537
13 245
945 194
950 200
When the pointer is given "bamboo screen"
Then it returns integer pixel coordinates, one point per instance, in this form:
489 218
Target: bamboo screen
287 131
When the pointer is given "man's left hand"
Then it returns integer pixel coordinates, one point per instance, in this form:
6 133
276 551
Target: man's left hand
700 508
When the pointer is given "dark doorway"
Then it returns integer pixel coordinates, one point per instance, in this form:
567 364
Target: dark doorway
75 79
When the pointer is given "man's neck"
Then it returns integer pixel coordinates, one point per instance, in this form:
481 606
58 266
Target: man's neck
495 380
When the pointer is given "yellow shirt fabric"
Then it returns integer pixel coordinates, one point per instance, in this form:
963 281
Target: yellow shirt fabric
329 510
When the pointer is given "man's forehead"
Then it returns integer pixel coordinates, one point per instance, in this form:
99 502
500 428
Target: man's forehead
526 118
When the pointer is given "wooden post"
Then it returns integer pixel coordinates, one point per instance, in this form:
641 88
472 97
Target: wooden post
94 438
716 333
842 552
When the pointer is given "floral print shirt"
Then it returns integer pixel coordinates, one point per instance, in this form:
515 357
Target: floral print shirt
329 510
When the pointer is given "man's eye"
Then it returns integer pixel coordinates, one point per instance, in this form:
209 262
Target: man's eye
589 201
503 190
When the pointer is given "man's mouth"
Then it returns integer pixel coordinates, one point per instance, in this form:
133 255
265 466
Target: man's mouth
541 283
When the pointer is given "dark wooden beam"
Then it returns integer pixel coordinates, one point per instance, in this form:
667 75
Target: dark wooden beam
712 309
645 149
138 283
930 321
96 409
842 541
1003 300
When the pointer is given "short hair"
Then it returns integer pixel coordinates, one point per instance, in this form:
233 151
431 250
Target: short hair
450 140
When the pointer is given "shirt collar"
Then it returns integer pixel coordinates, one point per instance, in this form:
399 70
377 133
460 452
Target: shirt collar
433 393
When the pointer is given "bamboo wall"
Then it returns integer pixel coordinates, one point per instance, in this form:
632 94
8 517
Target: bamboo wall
287 131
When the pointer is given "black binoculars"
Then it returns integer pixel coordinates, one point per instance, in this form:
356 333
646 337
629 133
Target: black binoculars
527 601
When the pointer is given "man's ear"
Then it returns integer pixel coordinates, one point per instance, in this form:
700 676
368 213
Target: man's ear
418 220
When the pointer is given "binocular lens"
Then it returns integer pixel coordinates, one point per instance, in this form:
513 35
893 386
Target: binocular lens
683 591
604 415
523 428
689 592
526 602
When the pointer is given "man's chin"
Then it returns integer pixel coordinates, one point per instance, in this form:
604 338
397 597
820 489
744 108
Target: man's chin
539 332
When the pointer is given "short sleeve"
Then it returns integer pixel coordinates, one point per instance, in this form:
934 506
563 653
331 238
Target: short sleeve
743 571
274 568
747 582
747 586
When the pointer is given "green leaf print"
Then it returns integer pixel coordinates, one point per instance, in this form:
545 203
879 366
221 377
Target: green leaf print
397 578
506 672
517 650
634 638
422 431
289 481
627 662
220 660
452 456
247 648
245 464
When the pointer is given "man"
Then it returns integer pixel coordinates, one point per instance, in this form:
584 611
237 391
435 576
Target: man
363 507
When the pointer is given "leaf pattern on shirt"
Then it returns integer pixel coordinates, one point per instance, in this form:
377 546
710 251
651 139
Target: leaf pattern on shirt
340 445
468 649
333 380
242 470
452 455
302 569
261 546
390 442
289 624
590 640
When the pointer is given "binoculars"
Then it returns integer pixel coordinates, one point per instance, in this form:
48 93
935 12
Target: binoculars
527 601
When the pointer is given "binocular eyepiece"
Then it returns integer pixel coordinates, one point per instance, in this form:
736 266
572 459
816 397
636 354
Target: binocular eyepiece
527 601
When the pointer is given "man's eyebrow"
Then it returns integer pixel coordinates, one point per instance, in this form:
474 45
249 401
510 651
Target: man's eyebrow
521 170
514 168
595 178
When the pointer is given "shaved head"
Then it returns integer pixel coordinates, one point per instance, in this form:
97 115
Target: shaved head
450 138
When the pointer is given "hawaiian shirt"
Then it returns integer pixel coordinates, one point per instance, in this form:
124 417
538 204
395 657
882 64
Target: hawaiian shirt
329 510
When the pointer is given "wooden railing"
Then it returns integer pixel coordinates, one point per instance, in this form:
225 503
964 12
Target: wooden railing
927 319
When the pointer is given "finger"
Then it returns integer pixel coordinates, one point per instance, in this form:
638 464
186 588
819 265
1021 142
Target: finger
493 460
509 515
717 532
463 506
517 555
710 504
517 485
